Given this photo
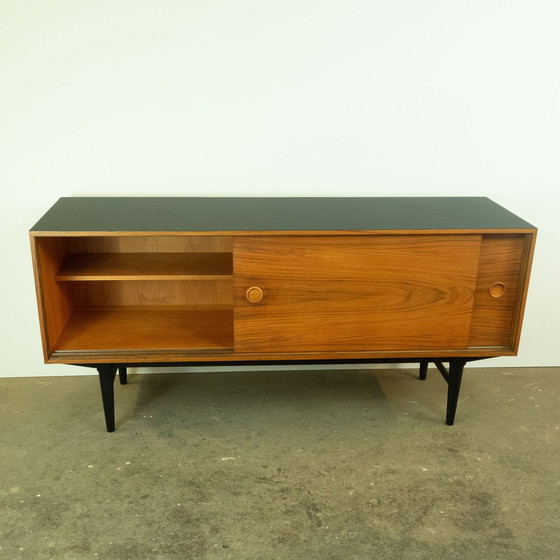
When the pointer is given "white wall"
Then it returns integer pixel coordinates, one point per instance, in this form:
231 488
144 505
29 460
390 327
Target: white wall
273 98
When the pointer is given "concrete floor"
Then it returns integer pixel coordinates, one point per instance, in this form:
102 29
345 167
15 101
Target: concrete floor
351 464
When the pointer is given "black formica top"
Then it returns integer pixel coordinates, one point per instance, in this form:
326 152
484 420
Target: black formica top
107 214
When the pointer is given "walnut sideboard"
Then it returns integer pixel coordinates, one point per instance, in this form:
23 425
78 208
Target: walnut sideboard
154 281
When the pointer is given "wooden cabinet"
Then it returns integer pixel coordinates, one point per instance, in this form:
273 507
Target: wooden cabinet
140 281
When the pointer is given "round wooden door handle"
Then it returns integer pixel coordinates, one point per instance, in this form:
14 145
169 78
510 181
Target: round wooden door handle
254 294
497 290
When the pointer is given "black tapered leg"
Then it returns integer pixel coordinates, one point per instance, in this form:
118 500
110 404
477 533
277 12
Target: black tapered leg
123 379
456 366
423 370
107 374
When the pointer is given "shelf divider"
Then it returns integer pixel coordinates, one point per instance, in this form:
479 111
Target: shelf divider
145 266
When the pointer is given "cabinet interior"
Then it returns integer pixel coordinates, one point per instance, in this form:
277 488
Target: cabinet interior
132 293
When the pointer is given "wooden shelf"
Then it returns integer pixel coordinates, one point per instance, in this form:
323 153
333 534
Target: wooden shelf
134 328
146 266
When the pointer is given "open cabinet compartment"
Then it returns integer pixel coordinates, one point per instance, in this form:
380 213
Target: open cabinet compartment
132 294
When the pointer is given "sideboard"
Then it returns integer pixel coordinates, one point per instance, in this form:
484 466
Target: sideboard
157 281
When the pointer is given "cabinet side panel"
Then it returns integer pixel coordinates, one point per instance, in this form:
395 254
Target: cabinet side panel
351 293
498 290
55 299
526 264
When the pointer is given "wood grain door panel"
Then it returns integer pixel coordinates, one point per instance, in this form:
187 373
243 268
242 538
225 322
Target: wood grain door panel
354 293
502 263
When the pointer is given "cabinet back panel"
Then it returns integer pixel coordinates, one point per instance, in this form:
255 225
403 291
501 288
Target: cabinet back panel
147 244
153 292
